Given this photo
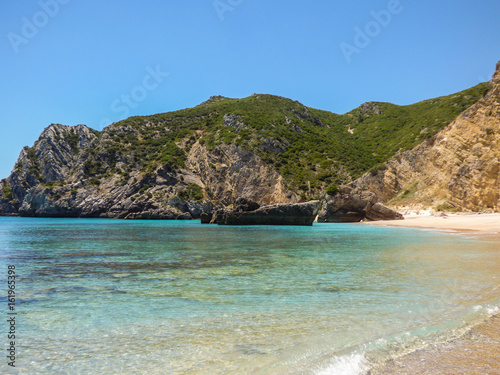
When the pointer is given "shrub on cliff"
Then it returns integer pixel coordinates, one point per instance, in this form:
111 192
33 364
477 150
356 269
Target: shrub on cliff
192 192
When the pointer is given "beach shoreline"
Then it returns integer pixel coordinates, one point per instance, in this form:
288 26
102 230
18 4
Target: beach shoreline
468 224
478 350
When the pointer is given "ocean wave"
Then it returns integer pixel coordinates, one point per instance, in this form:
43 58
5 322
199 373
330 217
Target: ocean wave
351 364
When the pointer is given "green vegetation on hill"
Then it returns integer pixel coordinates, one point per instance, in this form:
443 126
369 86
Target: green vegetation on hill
6 192
192 192
404 127
313 150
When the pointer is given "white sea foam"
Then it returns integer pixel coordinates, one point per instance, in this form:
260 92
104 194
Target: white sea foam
352 364
493 310
489 310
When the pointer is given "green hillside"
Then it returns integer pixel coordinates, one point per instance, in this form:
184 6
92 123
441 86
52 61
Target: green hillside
312 149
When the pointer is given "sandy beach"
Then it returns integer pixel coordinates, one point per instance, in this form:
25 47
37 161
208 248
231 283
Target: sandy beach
483 224
478 351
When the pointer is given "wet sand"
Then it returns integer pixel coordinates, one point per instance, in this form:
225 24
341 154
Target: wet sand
477 351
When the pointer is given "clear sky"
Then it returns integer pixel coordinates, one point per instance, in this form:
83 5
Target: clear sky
94 62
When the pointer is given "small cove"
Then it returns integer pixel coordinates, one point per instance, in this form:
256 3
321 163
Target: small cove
177 297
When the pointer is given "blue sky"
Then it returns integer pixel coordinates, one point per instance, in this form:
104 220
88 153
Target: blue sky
97 61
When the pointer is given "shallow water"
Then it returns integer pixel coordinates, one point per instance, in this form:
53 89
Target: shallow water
177 297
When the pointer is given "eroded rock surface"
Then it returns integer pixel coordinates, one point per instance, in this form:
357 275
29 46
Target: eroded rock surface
353 205
277 214
459 166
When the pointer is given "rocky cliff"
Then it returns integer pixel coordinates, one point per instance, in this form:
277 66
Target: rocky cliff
456 169
264 148
53 179
232 172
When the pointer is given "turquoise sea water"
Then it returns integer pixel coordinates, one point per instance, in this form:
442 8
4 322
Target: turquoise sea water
175 297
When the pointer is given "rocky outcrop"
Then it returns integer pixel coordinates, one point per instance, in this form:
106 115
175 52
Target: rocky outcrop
230 172
370 107
57 155
233 121
243 205
458 168
380 212
354 205
55 178
277 214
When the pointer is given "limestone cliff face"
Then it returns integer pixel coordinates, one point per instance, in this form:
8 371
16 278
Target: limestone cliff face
52 179
458 167
59 153
230 172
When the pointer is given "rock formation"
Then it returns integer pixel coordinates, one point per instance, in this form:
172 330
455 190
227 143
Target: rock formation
53 179
458 168
353 205
231 172
276 214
